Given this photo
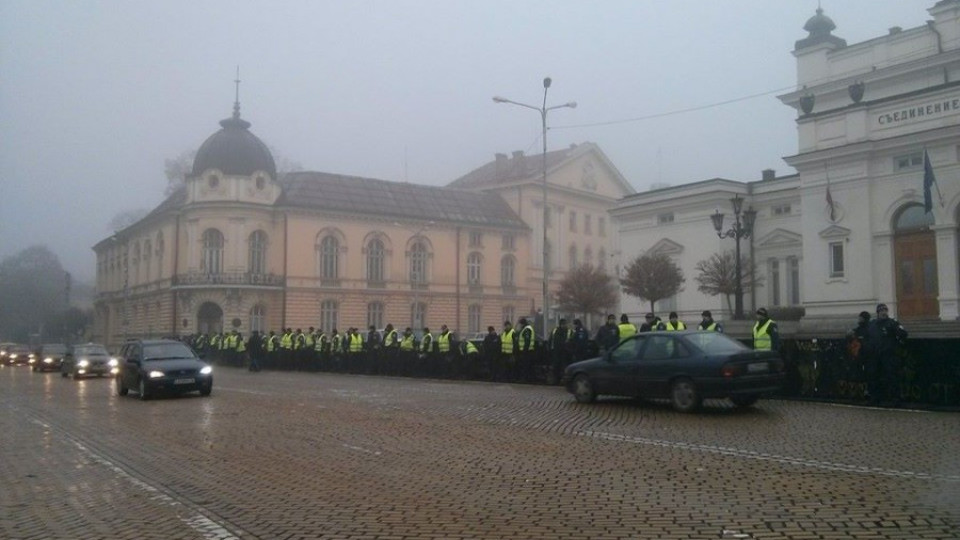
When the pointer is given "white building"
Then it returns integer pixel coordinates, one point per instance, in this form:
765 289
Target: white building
866 114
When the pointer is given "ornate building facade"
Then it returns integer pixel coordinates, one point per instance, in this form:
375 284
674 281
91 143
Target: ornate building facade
237 247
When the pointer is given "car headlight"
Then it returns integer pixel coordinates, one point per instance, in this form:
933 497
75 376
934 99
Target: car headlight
113 362
155 374
48 360
206 370
83 363
13 356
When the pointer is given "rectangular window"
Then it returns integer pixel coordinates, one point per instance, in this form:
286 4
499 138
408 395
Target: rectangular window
473 318
602 226
774 282
476 239
328 314
507 242
587 224
793 265
836 259
573 221
663 219
781 210
909 161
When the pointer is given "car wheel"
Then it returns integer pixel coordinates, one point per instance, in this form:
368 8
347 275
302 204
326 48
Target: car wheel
744 400
144 392
121 388
583 389
684 396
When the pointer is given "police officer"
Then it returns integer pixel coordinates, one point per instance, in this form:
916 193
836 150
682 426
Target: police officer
674 324
336 351
407 354
374 356
526 350
766 336
579 340
469 358
444 352
391 350
491 352
626 328
651 323
884 335
508 344
255 349
707 322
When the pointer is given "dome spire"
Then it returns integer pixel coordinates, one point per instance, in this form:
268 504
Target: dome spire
236 101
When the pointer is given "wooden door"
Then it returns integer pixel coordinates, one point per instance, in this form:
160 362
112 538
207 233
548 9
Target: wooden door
915 265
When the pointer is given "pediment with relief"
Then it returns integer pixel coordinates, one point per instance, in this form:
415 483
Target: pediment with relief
665 246
780 238
835 231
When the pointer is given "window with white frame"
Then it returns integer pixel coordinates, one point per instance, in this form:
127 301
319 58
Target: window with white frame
665 218
793 283
328 253
908 161
474 262
507 269
212 260
257 263
507 242
476 239
329 314
780 210
836 259
375 261
257 316
473 318
418 263
774 267
375 315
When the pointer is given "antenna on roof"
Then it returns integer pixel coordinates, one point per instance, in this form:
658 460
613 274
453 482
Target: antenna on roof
236 102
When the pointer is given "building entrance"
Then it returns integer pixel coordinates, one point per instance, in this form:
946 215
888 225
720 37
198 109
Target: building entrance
210 319
915 260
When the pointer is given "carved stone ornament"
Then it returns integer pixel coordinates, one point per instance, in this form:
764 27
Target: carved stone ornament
856 91
806 103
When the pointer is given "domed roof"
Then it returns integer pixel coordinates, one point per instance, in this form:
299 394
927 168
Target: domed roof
819 24
234 150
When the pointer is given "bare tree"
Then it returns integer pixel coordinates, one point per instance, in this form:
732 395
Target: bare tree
176 170
126 218
586 289
718 275
652 278
32 288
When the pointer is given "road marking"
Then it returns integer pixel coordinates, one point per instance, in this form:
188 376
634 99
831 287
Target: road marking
762 456
199 522
360 449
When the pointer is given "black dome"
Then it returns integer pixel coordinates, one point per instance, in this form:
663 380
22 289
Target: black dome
234 150
819 24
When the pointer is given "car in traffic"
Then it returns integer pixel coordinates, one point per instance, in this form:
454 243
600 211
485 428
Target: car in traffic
48 357
684 367
88 359
13 354
151 367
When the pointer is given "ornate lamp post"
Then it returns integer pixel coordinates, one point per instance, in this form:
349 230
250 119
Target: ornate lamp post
742 228
543 110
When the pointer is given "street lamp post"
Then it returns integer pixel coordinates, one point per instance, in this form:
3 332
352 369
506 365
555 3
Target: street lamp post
543 110
742 228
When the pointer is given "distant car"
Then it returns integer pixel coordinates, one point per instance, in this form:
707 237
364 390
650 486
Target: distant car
12 354
161 365
48 357
685 367
89 359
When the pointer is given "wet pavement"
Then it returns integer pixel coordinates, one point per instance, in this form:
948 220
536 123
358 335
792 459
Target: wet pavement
287 455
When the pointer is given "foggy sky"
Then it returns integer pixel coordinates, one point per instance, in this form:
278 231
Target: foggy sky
94 95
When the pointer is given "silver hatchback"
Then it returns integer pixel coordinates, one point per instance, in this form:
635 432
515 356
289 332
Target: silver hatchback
89 359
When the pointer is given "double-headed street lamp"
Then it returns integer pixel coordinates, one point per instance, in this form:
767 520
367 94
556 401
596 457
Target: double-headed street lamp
741 229
543 110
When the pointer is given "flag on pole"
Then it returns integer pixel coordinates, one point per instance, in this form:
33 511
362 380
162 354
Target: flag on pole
928 182
833 210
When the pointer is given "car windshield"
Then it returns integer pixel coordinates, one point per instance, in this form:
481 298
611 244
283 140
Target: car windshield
167 351
54 349
716 343
90 350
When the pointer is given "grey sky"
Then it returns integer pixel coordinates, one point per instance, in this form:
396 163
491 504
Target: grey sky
95 95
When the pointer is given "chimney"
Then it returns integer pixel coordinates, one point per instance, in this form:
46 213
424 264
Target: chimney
769 174
500 165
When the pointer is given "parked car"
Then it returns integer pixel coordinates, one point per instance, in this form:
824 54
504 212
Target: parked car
685 367
48 357
13 354
161 365
88 359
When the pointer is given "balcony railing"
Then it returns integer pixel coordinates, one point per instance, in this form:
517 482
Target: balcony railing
228 278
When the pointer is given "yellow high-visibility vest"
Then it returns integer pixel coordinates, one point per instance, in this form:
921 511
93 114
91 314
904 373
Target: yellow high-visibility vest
680 326
761 339
506 342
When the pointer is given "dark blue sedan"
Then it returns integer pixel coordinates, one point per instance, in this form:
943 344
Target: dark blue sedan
684 367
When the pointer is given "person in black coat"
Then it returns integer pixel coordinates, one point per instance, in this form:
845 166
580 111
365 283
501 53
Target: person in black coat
608 336
884 334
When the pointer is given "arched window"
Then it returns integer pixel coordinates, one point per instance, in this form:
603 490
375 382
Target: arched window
474 318
508 267
573 257
375 314
257 316
257 263
474 261
913 218
329 313
375 262
328 254
211 261
418 263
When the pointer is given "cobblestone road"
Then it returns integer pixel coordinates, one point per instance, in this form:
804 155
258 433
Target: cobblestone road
285 456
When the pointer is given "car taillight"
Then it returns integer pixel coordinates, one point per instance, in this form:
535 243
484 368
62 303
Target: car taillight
729 370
